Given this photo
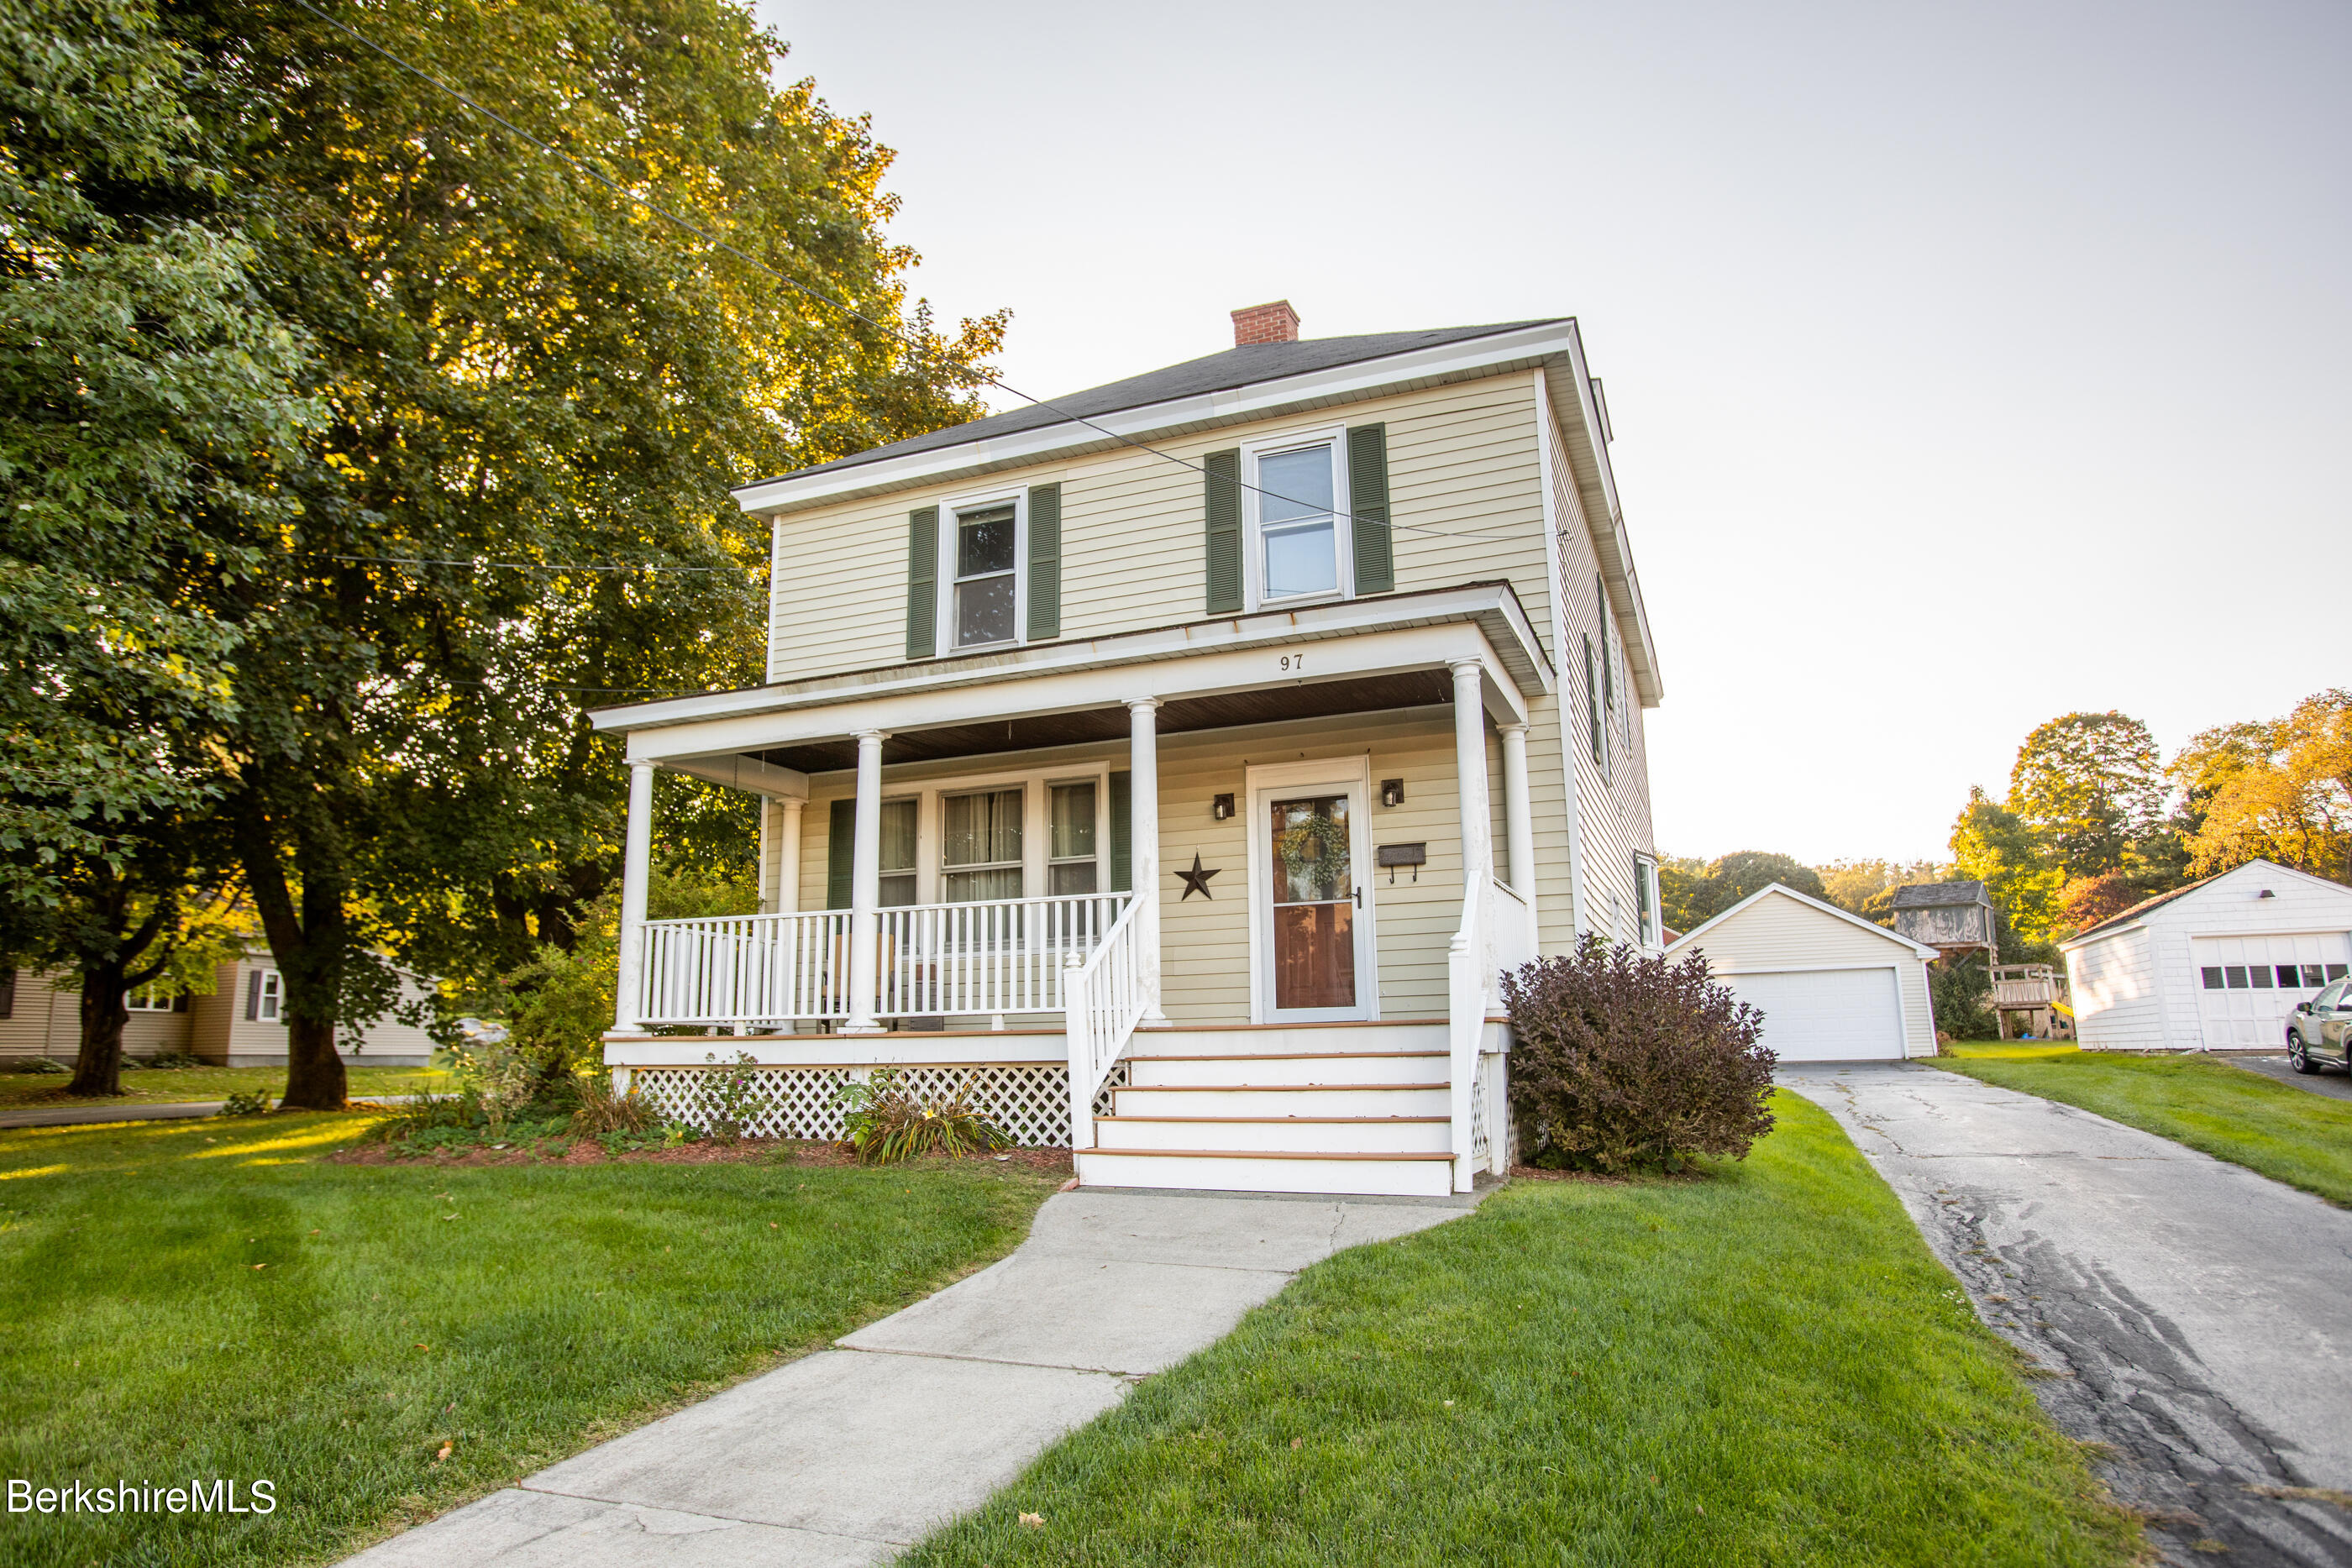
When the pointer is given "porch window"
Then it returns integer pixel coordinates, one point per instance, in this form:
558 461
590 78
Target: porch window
1298 513
898 820
987 576
982 858
1071 866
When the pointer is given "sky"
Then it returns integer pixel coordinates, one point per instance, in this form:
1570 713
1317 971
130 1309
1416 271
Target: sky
1969 364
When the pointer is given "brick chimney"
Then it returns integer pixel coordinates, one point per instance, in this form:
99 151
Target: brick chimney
1275 323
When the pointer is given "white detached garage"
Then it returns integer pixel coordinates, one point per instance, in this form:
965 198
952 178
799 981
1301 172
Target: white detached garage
2216 965
1832 986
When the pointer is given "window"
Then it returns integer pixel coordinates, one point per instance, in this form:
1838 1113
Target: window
2314 976
1296 498
1593 710
980 857
151 999
2212 976
265 995
7 993
2335 971
2236 974
897 858
985 553
1645 898
2260 975
1070 866
2328 999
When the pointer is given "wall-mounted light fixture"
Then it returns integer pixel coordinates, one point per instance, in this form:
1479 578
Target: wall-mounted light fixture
2267 893
1221 807
1391 791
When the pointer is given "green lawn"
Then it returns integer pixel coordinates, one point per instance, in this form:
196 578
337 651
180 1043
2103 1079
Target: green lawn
1762 1367
154 1086
517 1314
2304 1140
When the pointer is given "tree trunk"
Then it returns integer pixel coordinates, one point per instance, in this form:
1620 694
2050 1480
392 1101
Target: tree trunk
315 1080
307 940
98 1068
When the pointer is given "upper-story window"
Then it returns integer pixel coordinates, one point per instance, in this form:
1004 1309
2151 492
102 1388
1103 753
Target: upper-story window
1295 500
984 592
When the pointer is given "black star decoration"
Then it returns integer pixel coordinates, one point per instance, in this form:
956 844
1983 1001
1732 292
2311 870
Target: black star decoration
1196 879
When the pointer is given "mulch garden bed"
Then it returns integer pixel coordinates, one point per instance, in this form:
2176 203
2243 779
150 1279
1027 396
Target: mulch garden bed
704 1152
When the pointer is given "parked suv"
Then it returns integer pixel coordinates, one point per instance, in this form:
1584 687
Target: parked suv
2320 1030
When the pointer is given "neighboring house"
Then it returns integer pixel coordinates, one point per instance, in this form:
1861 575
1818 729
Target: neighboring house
239 1025
2216 965
1833 987
1232 771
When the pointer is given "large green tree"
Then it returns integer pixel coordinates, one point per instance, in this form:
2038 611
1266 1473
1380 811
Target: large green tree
2278 790
147 400
537 394
1996 846
2091 786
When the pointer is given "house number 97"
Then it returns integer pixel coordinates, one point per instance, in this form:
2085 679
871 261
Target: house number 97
1294 661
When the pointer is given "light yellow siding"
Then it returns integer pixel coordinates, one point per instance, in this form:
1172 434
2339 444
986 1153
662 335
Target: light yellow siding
1204 943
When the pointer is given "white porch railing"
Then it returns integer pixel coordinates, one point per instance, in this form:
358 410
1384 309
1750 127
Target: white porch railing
935 959
998 958
1106 995
745 969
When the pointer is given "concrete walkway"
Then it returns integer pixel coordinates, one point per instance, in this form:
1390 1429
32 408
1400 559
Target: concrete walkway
848 1456
2198 1317
2332 1082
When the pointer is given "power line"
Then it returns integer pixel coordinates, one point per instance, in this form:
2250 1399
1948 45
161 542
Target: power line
825 299
507 565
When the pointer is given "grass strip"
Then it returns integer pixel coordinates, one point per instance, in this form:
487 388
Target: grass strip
176 1085
2231 1113
213 1299
1763 1367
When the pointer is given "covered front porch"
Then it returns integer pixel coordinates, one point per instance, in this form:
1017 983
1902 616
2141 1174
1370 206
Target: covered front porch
1267 843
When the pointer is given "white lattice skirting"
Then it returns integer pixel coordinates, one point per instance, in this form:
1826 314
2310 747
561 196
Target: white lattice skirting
1030 1100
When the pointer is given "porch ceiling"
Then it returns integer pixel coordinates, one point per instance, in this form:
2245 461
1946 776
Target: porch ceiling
1321 699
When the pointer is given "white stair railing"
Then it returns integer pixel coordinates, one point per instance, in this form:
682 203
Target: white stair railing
1104 997
1468 963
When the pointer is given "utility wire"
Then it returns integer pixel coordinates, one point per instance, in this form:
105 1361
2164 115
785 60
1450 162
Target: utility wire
507 565
917 345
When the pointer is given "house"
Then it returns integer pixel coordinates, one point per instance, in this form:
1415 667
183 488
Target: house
1179 766
1832 986
2216 965
239 1025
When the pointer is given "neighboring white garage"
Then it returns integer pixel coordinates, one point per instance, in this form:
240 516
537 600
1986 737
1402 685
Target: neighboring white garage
1833 987
2216 965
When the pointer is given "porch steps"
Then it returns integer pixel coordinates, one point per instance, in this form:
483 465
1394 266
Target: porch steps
1358 1109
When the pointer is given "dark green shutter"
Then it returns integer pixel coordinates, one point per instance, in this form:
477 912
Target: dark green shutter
1044 562
1592 706
840 853
1222 486
922 585
1122 831
1368 498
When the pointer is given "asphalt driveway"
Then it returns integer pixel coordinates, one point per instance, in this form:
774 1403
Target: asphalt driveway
2193 1316
2328 1080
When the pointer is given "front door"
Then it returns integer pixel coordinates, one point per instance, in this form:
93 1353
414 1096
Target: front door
1314 956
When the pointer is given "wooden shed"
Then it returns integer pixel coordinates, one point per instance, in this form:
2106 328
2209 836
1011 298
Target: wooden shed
1953 917
1833 987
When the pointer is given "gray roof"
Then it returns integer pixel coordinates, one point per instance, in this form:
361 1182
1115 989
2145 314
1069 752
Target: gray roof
1934 894
1218 372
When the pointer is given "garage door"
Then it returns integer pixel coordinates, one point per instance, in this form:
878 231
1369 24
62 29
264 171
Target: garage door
2246 986
1826 1015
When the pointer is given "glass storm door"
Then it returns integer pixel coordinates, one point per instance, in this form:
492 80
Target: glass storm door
1312 928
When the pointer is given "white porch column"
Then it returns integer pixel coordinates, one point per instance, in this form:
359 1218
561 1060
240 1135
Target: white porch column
1470 768
636 866
1143 837
788 857
1519 821
866 888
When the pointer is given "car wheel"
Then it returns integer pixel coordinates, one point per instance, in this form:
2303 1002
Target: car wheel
2297 1057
